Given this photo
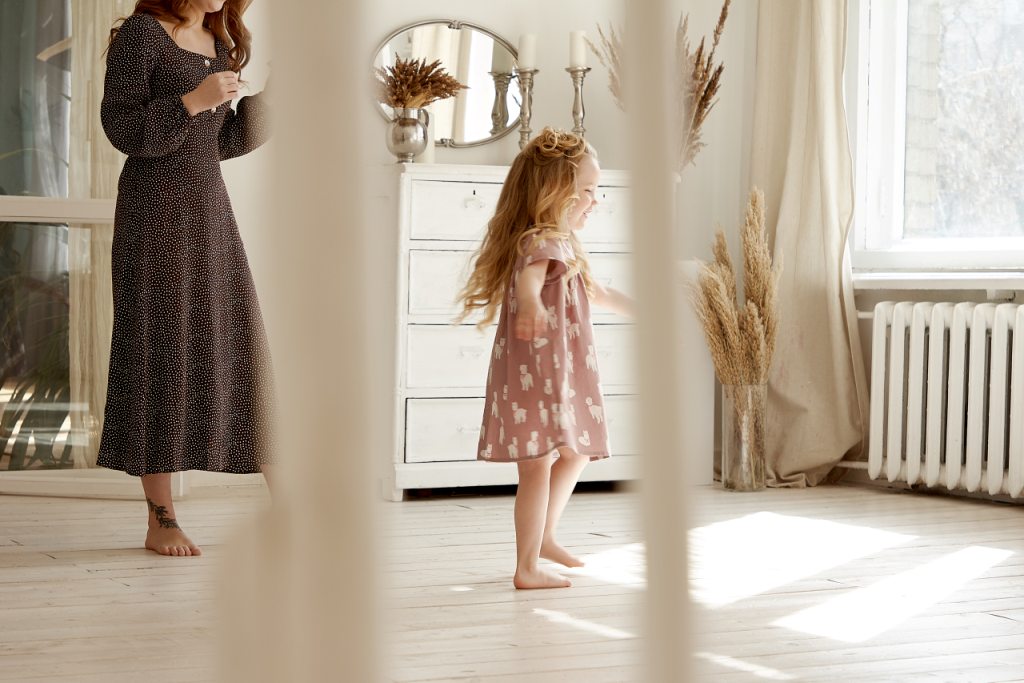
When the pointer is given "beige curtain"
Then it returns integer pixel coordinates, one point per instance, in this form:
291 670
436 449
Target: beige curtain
801 158
94 166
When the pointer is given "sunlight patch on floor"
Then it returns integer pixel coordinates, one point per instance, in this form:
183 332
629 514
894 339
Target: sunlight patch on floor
583 625
747 667
863 613
623 566
749 555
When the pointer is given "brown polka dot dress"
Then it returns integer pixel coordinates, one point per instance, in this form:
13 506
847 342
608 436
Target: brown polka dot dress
189 384
545 393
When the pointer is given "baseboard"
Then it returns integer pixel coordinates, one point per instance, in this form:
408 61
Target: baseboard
198 479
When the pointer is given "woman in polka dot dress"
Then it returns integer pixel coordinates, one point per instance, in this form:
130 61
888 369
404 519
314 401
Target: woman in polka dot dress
189 384
543 408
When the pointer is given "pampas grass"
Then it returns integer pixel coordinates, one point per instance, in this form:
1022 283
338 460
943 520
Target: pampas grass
412 83
698 78
741 337
740 333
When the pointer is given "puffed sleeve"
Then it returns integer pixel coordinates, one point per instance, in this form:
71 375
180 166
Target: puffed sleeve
556 251
135 122
246 128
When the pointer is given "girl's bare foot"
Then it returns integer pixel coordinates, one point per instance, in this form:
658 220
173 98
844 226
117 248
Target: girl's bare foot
171 541
539 578
550 550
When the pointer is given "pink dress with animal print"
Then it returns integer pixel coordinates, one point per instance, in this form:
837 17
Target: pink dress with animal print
545 393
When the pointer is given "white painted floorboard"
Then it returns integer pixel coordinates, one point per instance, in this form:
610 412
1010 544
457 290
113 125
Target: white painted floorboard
832 583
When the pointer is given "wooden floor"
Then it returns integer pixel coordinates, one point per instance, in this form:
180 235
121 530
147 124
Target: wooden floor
837 583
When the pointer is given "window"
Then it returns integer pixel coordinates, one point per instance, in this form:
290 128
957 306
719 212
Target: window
939 149
58 177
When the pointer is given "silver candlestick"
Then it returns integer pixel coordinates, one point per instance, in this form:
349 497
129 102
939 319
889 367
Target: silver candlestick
499 112
526 106
578 73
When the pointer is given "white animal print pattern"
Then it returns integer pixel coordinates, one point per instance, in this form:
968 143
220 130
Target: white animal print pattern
538 398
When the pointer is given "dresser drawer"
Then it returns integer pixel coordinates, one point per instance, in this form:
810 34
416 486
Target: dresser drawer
451 210
437 277
614 350
622 418
612 270
435 280
443 210
448 356
610 220
442 429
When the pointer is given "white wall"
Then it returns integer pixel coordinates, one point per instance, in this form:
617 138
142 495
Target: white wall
713 192
552 98
248 177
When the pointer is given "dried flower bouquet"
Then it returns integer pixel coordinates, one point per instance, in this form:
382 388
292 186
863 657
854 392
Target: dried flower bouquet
412 83
698 79
741 336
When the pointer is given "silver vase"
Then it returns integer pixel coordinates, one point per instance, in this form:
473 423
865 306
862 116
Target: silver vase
407 134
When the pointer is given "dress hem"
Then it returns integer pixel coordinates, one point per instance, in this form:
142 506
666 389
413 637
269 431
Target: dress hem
592 456
135 473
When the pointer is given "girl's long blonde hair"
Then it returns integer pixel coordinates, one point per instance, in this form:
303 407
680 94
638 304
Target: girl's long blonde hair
535 200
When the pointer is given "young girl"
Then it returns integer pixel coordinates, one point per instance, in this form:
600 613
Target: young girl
189 384
543 408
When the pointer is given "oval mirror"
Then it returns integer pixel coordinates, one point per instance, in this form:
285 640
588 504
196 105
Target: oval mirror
489 108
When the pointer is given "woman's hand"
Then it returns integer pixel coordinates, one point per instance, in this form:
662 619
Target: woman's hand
215 90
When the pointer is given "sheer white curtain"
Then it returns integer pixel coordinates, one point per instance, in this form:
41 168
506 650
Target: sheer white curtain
801 158
94 167
440 42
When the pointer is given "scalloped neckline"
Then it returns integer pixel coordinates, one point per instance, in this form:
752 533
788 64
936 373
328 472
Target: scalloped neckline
191 52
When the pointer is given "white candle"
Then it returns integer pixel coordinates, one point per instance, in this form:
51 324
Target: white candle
577 49
527 58
501 59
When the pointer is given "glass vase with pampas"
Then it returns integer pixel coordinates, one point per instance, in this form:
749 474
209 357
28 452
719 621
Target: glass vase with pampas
741 336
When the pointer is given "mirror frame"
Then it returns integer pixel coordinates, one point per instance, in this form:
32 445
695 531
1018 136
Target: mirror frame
455 25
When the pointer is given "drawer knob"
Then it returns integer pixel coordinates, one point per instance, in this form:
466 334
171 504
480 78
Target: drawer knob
471 351
465 429
474 202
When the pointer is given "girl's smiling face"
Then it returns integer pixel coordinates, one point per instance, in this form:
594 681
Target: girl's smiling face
587 176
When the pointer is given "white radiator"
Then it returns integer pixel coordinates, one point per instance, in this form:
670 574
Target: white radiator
947 396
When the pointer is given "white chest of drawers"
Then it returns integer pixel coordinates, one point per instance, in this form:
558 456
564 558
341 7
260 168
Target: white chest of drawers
441 368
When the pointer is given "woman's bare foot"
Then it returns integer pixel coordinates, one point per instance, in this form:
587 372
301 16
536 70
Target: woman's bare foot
171 541
539 578
165 536
550 550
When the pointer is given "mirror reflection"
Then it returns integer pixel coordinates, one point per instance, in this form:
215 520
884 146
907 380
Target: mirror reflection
489 108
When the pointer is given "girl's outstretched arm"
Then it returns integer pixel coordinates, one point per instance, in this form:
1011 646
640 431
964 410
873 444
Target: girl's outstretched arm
531 317
613 300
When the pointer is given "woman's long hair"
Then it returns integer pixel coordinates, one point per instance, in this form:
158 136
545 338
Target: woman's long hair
226 25
535 200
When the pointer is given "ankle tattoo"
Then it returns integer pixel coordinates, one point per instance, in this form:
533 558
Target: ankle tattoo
160 511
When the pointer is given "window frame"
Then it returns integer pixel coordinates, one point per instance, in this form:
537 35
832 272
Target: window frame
876 99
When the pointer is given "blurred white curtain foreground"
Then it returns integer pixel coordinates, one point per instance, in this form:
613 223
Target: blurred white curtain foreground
666 456
801 158
300 600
